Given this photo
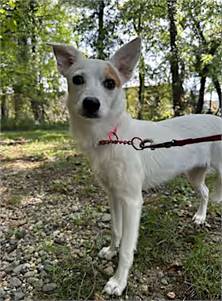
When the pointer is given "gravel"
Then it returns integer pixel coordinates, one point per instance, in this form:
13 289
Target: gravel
15 282
31 237
46 227
49 287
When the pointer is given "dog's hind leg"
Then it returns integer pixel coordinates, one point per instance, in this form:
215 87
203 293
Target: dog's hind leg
196 177
116 219
217 195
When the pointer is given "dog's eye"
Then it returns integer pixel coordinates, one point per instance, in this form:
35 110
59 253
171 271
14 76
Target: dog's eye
109 83
78 80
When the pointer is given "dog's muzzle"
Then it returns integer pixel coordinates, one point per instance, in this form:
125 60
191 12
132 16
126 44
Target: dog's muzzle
90 107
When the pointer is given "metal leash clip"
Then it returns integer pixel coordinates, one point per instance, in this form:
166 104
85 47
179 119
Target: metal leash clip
139 144
144 143
152 146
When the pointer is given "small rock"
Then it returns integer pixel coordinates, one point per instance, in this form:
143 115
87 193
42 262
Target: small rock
42 253
35 282
164 281
2 292
32 280
49 287
74 208
19 295
9 258
109 270
171 295
43 274
103 225
40 267
106 217
2 275
144 288
59 241
160 274
29 274
19 268
15 282
13 242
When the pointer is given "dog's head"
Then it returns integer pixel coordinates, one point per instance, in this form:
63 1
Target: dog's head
95 86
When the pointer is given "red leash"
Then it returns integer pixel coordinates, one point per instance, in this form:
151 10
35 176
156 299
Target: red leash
140 144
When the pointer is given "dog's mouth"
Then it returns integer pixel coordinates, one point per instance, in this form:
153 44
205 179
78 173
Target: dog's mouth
88 115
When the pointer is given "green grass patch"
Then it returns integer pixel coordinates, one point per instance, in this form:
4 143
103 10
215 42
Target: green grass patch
76 279
38 145
158 241
203 269
39 135
15 200
56 249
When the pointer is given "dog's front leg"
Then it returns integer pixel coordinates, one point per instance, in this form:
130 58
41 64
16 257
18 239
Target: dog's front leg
116 219
131 218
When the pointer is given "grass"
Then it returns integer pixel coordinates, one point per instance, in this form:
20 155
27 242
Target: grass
170 246
203 265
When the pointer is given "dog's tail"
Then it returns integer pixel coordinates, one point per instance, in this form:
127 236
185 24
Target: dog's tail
217 195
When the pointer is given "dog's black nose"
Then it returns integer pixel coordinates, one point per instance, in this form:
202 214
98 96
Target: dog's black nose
90 106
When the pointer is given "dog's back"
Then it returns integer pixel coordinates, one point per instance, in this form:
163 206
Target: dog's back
163 164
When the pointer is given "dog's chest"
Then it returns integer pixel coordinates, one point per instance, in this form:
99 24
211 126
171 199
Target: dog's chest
107 166
116 167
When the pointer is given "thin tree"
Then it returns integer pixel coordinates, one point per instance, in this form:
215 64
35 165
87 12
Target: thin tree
176 74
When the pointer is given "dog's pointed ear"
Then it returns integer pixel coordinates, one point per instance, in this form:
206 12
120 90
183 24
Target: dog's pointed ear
126 58
65 56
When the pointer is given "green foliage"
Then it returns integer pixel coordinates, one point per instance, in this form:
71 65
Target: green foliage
157 102
32 91
30 82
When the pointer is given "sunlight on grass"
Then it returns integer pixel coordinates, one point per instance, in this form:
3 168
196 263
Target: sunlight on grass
39 144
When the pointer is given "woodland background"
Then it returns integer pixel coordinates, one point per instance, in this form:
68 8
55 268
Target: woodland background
179 70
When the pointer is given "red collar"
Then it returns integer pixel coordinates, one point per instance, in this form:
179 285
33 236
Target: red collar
111 133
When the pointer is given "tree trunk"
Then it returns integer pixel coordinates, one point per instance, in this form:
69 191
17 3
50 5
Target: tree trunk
17 104
200 102
38 111
101 32
177 82
219 93
141 93
36 104
4 109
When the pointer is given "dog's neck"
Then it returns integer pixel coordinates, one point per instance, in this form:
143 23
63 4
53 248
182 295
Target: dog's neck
90 132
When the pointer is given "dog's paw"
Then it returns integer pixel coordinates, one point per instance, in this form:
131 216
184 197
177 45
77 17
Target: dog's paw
199 219
107 253
114 287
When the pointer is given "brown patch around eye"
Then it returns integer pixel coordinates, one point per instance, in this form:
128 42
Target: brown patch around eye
111 74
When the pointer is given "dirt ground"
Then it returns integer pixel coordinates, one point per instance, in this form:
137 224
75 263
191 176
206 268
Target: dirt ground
54 219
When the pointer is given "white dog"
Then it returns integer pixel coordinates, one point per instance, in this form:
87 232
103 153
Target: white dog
96 106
